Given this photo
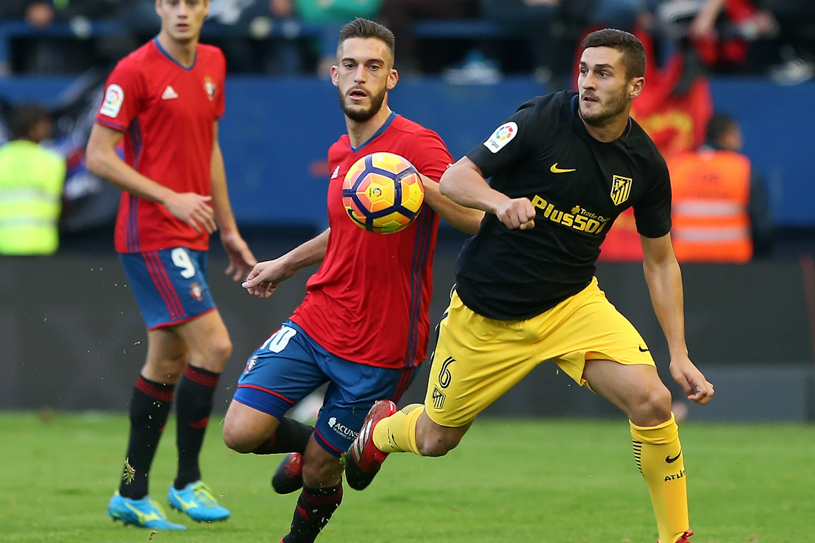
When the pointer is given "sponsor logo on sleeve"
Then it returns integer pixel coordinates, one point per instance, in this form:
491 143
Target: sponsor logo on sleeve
502 135
114 98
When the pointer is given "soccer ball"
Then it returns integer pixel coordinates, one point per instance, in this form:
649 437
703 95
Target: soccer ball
382 193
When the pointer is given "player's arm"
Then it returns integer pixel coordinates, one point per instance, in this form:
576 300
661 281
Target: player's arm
465 219
102 160
665 286
266 276
241 259
464 184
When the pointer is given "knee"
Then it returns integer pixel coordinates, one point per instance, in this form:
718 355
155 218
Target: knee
237 439
652 407
221 350
437 443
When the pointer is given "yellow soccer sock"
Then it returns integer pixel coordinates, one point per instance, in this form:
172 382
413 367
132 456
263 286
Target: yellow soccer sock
397 433
659 457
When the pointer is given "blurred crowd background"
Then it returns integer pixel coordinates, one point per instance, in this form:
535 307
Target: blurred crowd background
55 54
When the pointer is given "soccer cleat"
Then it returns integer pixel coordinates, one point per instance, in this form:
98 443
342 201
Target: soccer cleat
143 513
363 459
197 501
288 476
684 538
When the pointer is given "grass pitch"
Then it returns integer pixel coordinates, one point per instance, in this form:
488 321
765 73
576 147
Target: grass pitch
509 481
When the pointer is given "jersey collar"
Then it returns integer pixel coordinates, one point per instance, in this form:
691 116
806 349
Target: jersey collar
378 133
174 61
581 128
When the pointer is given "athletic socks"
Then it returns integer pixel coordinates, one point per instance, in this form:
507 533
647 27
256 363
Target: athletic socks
193 407
314 509
290 436
149 408
659 457
397 433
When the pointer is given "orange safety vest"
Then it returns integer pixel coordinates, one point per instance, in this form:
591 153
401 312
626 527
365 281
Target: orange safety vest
711 193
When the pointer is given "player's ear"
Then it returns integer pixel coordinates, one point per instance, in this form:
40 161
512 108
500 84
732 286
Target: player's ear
335 75
393 79
635 87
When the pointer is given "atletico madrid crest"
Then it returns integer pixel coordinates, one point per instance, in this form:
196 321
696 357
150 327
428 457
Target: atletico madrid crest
620 189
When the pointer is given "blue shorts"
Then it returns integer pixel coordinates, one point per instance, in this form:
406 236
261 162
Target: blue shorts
290 365
170 285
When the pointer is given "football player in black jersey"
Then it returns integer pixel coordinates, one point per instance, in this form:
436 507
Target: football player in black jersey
562 168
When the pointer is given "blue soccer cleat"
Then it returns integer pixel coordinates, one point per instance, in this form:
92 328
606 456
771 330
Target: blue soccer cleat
143 513
197 501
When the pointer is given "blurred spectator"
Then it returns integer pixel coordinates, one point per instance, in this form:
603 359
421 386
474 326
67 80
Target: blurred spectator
331 14
399 16
794 49
553 27
720 210
47 55
31 181
720 30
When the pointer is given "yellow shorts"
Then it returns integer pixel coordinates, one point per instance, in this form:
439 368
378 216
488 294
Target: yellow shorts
478 359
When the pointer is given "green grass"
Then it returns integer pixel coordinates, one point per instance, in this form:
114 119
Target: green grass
509 481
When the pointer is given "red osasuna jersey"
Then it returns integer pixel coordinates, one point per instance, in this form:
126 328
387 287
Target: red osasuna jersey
369 301
167 113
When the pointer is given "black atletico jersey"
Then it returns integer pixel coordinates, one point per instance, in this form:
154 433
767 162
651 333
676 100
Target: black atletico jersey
578 186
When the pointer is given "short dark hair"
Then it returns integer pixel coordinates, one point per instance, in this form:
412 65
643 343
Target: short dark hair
718 126
628 44
363 28
26 117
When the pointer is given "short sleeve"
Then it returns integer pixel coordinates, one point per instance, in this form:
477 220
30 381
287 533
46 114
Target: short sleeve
430 157
653 212
122 100
509 143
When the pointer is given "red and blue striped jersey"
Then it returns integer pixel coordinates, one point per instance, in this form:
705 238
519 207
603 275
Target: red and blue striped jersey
167 113
369 301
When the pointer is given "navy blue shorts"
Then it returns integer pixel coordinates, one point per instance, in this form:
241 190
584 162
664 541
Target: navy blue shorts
290 365
170 285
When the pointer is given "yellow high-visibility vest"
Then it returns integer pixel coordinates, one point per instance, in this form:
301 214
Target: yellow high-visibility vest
31 181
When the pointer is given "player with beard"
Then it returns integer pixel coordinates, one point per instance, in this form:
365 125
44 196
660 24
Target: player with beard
165 100
337 335
563 167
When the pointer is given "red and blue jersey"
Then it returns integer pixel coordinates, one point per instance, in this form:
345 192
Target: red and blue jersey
369 301
167 113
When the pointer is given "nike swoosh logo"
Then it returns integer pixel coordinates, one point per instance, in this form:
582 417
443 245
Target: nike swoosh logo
555 169
643 349
670 460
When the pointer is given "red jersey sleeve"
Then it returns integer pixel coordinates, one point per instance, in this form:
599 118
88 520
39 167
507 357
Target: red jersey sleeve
123 97
432 158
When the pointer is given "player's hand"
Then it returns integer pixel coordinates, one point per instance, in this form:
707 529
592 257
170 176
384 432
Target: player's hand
516 213
193 209
241 259
266 276
697 388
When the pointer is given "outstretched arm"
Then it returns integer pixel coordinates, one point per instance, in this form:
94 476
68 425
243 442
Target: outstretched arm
266 276
665 286
463 218
241 259
464 184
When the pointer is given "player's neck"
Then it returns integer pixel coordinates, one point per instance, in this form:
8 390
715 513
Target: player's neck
360 132
181 52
